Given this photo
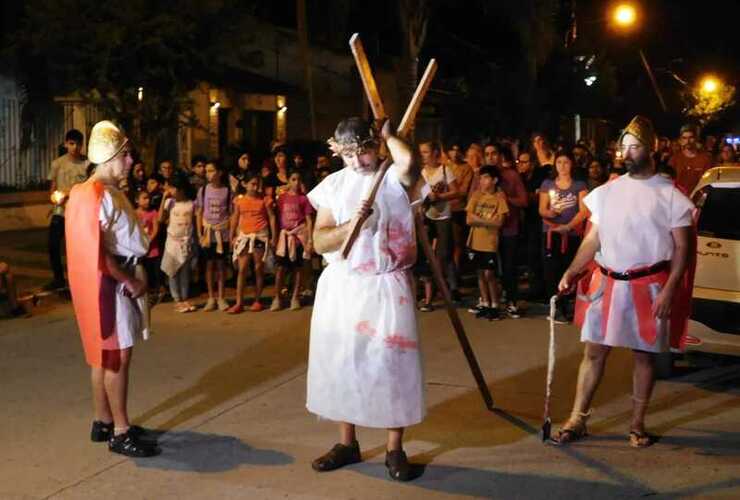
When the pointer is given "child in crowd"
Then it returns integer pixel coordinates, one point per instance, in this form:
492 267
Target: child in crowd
149 219
178 213
213 209
254 219
7 285
154 188
295 240
486 212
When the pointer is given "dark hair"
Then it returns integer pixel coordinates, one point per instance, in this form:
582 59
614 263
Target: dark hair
74 135
180 182
156 177
198 159
295 171
506 153
490 171
351 128
568 155
250 175
432 144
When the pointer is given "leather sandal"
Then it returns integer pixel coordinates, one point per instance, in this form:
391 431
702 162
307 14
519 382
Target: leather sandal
573 430
398 465
339 456
641 439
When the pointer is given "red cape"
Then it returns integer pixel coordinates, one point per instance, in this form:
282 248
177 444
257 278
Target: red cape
93 293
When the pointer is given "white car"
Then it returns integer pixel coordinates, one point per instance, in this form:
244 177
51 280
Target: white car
714 326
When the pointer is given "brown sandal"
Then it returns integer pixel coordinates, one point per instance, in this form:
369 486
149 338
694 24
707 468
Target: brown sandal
337 457
641 439
573 430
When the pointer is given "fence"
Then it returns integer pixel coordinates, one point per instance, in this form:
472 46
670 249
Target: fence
20 169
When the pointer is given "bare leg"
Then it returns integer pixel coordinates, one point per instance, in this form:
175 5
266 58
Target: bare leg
297 285
395 439
483 287
492 287
347 433
279 279
100 400
240 278
428 291
221 278
209 277
11 292
589 375
259 275
643 381
116 390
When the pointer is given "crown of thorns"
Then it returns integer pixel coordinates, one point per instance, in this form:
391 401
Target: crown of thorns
354 145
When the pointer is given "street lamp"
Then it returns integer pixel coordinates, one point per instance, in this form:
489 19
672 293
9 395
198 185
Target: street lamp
709 85
625 15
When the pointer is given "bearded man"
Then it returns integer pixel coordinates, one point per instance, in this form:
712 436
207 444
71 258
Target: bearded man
639 237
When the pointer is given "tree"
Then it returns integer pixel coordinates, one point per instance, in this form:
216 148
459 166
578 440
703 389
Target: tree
707 105
135 60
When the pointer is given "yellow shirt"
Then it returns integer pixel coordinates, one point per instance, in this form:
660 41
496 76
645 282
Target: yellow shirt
492 207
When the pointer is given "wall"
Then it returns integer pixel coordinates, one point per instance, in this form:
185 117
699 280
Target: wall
24 210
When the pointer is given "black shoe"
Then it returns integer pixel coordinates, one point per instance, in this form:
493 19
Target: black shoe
493 314
455 296
101 432
131 445
482 312
398 465
513 311
18 311
337 457
426 307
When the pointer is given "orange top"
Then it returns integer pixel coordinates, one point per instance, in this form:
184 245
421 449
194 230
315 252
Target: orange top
253 213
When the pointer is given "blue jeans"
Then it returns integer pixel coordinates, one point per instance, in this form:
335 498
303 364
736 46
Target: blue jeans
180 283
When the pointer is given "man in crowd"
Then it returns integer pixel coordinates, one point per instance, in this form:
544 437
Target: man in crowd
690 163
65 172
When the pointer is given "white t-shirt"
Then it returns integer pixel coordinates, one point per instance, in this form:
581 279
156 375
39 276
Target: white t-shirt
123 235
439 210
635 218
66 172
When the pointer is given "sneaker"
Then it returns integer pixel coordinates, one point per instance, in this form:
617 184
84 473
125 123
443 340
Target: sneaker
339 456
101 432
191 307
426 307
131 445
482 312
256 306
398 465
513 312
493 314
223 305
181 307
210 305
478 307
275 306
295 304
235 309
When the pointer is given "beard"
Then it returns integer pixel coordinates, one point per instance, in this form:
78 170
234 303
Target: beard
637 166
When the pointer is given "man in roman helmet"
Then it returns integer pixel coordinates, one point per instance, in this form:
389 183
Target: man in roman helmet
639 236
104 244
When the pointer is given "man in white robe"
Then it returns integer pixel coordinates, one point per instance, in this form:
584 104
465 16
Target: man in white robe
364 363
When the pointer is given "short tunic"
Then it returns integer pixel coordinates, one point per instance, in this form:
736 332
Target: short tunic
123 236
634 218
364 362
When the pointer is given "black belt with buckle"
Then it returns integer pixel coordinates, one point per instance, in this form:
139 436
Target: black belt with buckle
639 273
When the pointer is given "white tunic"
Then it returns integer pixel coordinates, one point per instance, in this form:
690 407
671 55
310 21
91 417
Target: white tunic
123 235
364 362
634 218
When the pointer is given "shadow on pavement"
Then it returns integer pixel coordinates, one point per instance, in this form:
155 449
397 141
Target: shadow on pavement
189 451
493 484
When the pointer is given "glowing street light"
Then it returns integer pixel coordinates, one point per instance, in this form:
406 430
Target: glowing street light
625 15
709 85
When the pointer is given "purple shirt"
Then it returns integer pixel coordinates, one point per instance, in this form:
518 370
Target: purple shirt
216 206
564 199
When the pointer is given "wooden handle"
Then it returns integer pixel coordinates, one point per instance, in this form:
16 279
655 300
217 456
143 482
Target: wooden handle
359 221
366 75
407 122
